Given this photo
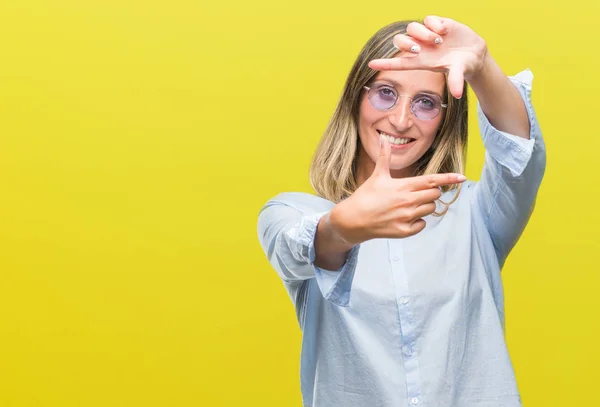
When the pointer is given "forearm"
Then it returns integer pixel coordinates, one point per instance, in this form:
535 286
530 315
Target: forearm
287 230
330 248
499 99
512 173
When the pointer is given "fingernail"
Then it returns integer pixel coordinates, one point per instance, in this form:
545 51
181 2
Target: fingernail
394 44
461 178
380 141
415 49
438 40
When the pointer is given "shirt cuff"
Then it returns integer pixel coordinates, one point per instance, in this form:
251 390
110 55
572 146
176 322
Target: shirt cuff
335 286
512 152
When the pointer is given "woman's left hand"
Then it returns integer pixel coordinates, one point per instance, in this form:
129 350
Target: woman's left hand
440 45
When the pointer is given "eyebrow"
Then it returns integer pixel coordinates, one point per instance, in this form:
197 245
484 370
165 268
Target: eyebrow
399 86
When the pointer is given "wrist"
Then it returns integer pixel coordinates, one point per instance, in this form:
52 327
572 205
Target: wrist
330 247
486 70
340 229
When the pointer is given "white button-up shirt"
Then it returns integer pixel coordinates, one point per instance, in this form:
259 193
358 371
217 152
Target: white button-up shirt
420 320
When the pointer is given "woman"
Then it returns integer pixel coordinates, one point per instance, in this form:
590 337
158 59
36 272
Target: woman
400 299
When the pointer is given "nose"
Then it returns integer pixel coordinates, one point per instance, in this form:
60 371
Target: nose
401 116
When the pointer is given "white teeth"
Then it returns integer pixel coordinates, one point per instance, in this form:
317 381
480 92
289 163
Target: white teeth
394 140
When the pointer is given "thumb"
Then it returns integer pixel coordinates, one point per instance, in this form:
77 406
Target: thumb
456 81
382 166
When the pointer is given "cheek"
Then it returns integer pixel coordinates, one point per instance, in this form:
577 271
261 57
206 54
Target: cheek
366 120
431 129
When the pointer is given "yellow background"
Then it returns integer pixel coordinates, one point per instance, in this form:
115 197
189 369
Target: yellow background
139 139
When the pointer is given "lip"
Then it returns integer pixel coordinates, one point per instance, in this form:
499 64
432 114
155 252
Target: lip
401 146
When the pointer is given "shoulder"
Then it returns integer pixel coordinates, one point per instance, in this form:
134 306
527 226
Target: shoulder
301 201
461 199
469 184
467 190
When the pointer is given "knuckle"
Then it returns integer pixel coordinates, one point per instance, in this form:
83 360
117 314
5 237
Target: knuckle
412 214
412 28
398 38
403 229
402 217
403 199
416 227
431 181
431 20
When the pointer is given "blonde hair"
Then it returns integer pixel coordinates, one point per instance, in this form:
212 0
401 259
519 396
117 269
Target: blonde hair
334 165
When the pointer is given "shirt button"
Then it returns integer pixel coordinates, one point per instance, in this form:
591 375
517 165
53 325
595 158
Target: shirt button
396 258
407 351
404 300
414 400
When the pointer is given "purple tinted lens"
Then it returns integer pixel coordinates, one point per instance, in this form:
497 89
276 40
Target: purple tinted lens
383 97
425 107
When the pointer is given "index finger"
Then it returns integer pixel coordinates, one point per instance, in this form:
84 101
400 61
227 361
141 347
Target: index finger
433 181
407 62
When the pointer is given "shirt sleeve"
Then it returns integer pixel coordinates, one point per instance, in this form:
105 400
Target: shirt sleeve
287 236
512 173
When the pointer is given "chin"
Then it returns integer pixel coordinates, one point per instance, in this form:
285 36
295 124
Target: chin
401 167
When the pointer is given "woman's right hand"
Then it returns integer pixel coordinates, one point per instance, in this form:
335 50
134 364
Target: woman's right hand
384 207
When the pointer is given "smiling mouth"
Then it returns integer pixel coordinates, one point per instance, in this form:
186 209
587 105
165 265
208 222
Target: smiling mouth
396 140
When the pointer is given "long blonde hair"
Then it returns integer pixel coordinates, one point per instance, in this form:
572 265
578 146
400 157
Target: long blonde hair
334 166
